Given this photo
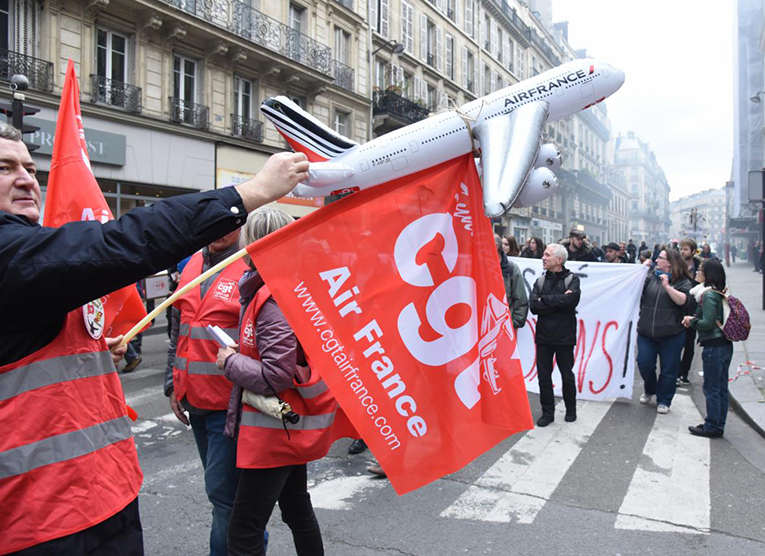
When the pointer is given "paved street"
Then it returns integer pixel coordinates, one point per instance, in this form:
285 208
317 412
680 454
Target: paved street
621 480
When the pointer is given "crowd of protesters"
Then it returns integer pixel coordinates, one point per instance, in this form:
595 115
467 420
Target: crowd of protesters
682 304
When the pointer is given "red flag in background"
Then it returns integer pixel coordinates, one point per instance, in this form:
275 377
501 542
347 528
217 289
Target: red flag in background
397 297
73 195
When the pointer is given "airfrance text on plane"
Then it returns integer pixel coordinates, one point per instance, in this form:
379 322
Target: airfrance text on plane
563 81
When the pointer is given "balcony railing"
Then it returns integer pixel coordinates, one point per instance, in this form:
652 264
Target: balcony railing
116 93
39 72
345 76
431 60
184 112
388 102
247 128
539 42
249 23
512 16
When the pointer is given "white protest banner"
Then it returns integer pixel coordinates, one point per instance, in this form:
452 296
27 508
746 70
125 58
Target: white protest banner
607 316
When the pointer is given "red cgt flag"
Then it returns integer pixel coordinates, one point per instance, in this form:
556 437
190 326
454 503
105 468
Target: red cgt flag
74 195
396 295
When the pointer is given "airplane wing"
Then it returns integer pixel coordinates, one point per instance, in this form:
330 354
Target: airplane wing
509 147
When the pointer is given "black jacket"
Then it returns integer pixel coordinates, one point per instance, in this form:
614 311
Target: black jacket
47 272
660 317
556 310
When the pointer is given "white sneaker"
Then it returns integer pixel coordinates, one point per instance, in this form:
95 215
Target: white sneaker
645 398
663 409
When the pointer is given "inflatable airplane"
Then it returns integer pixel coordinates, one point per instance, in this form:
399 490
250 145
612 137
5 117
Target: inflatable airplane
506 127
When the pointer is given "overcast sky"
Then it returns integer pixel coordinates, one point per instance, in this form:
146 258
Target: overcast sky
678 93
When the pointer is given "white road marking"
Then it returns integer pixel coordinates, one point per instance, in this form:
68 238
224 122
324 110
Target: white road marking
170 473
670 488
519 484
137 397
142 426
341 493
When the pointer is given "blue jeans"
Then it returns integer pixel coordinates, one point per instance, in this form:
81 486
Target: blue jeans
668 350
218 455
716 362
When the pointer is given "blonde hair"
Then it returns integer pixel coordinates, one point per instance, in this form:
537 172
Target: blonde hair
260 223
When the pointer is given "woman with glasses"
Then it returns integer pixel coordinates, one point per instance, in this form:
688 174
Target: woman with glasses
718 350
660 327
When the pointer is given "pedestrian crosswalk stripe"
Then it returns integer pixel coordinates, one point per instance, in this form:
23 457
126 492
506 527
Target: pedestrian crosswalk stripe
519 484
341 492
670 488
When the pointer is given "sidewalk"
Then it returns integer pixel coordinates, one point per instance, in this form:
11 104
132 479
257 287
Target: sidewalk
748 391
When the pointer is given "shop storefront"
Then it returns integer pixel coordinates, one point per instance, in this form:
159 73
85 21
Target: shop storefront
134 166
236 165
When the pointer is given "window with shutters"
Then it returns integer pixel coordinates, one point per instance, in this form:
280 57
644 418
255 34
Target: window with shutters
521 65
184 79
379 16
111 55
5 24
485 32
298 21
451 10
431 43
470 17
450 57
471 71
407 26
431 97
244 97
342 46
340 123
379 74
408 87
23 26
486 79
110 81
499 45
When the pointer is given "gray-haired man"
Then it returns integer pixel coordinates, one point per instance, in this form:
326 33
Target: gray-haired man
554 299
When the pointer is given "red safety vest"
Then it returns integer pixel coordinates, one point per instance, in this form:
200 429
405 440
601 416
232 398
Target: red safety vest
195 373
263 442
67 456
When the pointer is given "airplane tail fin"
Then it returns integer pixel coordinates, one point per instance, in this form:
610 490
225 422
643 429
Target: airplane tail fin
303 132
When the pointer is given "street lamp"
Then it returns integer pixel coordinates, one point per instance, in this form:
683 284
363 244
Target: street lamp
398 48
756 98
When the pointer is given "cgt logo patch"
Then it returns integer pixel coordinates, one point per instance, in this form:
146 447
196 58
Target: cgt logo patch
224 289
95 318
248 334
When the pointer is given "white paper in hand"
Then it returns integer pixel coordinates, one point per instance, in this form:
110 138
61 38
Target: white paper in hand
217 333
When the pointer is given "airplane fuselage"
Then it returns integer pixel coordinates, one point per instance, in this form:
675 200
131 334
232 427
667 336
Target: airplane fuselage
568 88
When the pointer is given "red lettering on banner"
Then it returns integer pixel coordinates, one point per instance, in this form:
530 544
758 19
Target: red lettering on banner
610 324
532 324
582 340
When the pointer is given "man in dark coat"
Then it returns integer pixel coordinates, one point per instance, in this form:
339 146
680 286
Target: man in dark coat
631 252
578 247
46 273
554 299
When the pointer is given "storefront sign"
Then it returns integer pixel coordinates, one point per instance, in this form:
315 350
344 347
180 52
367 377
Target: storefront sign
103 147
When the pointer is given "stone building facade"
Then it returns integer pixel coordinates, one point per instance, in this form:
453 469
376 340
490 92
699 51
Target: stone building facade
171 88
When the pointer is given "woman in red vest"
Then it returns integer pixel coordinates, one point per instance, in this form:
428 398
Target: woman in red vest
273 454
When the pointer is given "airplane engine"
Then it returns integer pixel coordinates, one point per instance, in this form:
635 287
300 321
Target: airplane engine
540 184
549 157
